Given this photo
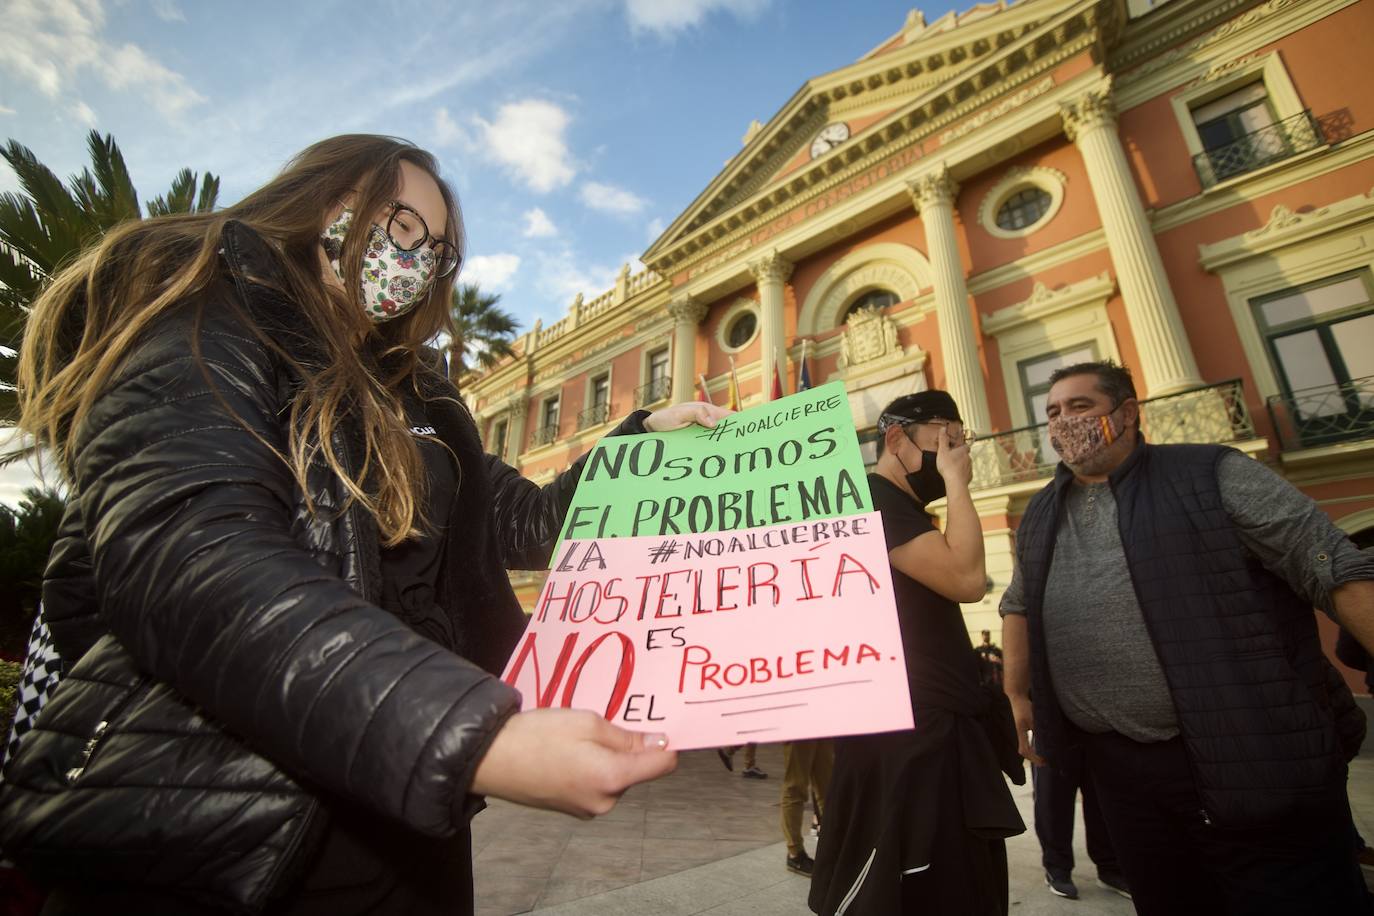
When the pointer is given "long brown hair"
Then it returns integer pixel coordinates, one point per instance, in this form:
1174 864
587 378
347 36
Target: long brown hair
84 324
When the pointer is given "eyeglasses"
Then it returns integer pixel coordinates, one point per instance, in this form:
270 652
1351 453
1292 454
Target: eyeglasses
952 428
958 434
408 232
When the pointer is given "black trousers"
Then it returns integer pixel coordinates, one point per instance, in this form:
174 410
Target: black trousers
1178 865
1056 791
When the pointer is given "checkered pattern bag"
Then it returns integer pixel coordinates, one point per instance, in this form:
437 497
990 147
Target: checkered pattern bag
42 671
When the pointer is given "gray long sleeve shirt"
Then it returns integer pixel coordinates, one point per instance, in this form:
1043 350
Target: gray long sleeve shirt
1103 665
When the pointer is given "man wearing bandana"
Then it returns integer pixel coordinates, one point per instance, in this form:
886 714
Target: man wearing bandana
1160 627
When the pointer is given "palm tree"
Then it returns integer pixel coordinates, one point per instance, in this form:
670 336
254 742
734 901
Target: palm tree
49 224
485 332
26 537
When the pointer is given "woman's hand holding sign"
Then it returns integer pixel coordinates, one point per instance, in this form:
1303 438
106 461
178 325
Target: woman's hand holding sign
595 761
685 414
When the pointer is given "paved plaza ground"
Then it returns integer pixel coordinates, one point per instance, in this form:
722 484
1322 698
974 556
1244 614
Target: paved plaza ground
707 841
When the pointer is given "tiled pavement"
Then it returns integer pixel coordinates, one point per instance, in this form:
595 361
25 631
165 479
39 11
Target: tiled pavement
707 841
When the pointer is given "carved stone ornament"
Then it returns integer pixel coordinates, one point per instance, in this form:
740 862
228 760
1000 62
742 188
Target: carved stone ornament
1093 108
934 188
771 267
868 335
686 310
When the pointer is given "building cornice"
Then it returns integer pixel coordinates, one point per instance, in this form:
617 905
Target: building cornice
1260 25
1286 227
714 226
1045 302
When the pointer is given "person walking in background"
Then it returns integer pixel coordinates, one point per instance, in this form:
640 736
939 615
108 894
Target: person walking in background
916 821
1160 619
1056 802
806 770
989 661
751 759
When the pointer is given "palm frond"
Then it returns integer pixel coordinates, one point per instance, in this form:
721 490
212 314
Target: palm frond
117 192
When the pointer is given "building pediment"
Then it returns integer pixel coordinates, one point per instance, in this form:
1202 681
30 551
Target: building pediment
879 102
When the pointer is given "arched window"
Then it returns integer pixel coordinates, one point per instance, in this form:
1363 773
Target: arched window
877 298
1024 208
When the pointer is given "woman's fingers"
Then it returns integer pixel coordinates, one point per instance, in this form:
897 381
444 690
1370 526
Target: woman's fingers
685 414
569 760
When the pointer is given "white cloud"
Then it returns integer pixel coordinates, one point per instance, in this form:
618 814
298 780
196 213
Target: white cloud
84 113
491 271
446 130
168 11
610 199
527 139
560 275
50 44
665 18
655 228
6 110
538 225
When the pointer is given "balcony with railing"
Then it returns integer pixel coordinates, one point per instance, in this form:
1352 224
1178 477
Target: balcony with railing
1210 413
544 435
1280 140
593 416
1325 415
657 390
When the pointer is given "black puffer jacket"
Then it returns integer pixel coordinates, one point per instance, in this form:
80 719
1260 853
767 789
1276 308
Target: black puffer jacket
190 543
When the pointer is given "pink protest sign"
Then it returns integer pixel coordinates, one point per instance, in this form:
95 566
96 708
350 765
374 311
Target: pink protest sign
775 633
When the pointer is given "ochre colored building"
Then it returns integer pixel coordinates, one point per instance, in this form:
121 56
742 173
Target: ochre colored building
1184 187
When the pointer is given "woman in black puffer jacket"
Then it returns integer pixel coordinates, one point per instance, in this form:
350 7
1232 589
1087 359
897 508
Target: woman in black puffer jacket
280 590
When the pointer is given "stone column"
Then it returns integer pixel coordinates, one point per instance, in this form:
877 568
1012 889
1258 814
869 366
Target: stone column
1166 360
770 272
933 196
687 314
518 408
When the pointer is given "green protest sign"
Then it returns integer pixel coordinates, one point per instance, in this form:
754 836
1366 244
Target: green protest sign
790 460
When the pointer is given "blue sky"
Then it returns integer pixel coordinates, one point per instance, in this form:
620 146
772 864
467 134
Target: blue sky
574 130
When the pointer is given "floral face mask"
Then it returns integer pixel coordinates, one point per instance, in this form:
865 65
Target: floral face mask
1079 440
393 281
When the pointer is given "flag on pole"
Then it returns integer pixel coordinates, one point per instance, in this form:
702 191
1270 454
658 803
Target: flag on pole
777 379
703 393
804 379
734 387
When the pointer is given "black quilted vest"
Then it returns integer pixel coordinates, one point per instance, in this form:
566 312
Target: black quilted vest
1238 648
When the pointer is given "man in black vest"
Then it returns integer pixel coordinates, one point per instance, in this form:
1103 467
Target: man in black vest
1161 619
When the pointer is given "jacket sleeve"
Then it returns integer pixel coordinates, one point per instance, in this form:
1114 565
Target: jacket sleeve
188 516
528 517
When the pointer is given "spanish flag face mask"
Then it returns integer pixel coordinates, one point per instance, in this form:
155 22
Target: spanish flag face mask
1080 439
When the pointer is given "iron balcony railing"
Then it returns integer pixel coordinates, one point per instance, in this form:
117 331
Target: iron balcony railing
593 416
543 435
1267 145
1324 415
657 390
1210 413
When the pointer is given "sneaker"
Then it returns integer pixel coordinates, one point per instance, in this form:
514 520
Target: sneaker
754 773
1064 887
1114 882
726 760
801 863
815 825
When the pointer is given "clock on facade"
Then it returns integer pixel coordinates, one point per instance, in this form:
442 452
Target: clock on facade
831 136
